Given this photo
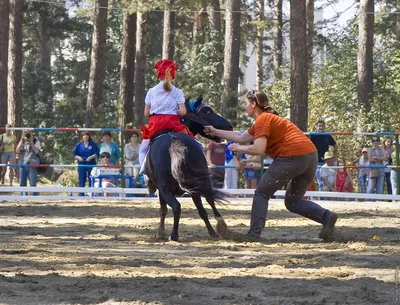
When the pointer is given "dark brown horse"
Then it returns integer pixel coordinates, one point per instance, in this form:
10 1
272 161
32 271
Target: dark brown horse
176 164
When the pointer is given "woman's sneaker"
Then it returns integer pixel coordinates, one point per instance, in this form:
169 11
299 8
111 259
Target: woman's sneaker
328 228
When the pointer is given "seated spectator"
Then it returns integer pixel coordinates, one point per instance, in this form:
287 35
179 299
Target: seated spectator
343 179
231 173
131 152
8 141
28 149
328 175
105 158
111 147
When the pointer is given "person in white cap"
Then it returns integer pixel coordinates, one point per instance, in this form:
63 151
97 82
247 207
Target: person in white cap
328 175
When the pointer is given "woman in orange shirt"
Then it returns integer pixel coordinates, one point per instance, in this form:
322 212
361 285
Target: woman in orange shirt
295 162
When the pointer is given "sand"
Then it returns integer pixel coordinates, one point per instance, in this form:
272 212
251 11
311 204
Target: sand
108 252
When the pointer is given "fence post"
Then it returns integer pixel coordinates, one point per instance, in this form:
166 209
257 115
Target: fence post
122 142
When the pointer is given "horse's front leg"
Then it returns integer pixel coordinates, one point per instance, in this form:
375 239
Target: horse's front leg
163 214
176 210
203 214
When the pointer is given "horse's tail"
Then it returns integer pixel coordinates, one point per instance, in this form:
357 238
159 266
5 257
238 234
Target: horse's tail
192 176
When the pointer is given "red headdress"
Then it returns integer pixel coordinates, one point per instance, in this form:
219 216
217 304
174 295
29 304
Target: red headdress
162 67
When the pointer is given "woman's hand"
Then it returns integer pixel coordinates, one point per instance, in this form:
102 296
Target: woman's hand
234 147
210 130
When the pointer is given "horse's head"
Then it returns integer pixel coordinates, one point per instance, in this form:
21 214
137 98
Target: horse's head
199 115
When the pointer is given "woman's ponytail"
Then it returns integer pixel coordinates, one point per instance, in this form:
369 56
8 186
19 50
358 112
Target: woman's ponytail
167 80
269 109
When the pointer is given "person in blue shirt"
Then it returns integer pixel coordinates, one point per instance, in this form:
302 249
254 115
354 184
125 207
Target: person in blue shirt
111 147
85 152
231 173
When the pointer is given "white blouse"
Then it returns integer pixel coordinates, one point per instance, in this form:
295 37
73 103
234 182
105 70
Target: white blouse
164 102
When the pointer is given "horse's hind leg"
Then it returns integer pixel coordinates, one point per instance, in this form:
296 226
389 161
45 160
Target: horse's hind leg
203 214
222 228
176 209
163 214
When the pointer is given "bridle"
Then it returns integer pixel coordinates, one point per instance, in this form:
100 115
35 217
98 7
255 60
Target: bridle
198 108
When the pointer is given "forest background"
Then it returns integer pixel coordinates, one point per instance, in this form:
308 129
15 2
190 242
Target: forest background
90 63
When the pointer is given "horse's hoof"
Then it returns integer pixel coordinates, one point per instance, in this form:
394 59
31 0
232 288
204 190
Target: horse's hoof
215 236
173 238
222 228
161 235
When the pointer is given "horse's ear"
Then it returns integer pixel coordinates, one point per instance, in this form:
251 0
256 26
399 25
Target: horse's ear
187 103
198 102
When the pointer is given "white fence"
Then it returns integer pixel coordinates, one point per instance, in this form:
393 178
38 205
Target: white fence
47 193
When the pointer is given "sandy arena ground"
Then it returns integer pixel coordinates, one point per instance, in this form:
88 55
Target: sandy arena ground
102 252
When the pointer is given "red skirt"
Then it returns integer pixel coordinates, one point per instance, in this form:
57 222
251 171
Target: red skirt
159 122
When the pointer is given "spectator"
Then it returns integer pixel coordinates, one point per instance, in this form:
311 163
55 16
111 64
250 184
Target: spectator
376 157
388 149
328 175
131 151
363 173
85 152
28 149
104 157
322 143
9 143
231 174
111 147
393 174
216 157
343 179
253 174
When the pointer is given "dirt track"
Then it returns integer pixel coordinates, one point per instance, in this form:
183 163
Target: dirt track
107 253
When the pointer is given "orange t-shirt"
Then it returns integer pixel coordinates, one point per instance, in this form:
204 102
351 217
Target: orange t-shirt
284 139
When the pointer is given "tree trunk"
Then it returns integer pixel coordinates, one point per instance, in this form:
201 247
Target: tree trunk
310 31
127 70
278 40
398 23
299 66
4 28
140 68
97 68
365 54
169 33
15 64
231 59
45 59
45 43
216 15
260 44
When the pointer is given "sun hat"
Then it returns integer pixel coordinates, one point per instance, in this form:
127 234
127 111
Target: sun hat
328 155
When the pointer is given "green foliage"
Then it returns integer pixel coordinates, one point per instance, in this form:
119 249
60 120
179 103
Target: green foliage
58 97
204 74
